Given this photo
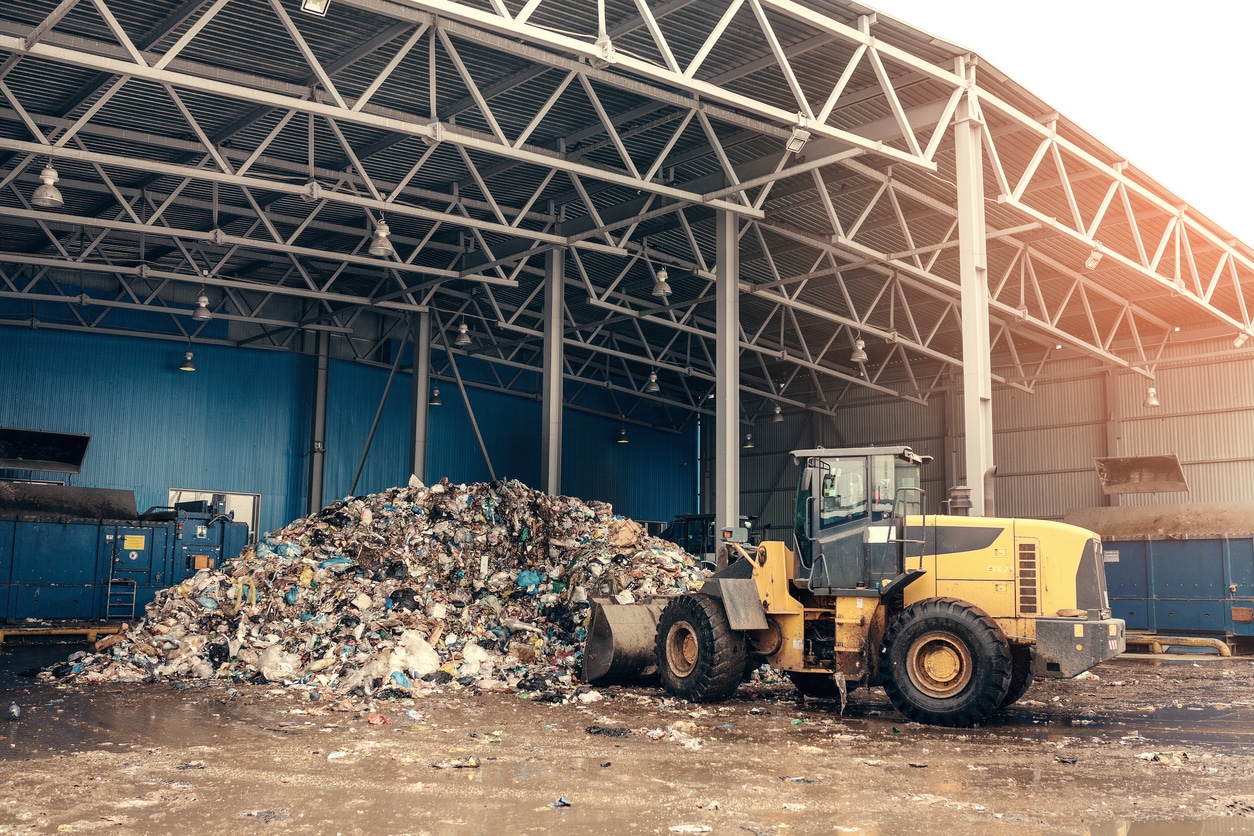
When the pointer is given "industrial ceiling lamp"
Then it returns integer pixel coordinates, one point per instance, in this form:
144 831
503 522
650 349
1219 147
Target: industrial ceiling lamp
1151 398
463 335
202 312
48 196
315 7
661 288
748 445
859 351
379 243
797 140
651 384
1094 258
622 435
189 365
435 397
778 418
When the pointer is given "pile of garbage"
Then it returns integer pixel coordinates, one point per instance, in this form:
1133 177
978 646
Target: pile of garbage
485 585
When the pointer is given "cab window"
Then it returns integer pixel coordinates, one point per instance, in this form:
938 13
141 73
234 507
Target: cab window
843 492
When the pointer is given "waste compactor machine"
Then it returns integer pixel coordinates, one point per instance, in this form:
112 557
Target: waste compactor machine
86 554
953 615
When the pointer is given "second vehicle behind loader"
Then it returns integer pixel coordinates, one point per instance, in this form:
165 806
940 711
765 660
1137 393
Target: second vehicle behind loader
953 615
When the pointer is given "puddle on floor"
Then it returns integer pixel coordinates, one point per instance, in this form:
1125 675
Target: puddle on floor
196 717
1204 827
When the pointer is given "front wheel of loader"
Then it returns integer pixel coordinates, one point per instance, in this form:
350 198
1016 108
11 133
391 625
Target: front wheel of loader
1023 670
699 656
945 663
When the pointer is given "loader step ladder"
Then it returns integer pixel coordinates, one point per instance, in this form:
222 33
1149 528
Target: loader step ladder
121 601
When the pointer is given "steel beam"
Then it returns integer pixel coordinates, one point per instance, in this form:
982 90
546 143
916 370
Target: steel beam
977 386
554 363
420 324
318 447
727 375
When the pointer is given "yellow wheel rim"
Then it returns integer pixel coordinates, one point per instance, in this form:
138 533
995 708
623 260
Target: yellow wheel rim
939 665
681 649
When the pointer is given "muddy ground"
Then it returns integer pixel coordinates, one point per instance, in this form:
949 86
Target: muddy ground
1153 746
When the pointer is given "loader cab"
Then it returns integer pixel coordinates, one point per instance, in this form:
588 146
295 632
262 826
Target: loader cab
844 525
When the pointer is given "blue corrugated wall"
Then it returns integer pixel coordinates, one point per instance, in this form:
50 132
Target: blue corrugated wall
242 423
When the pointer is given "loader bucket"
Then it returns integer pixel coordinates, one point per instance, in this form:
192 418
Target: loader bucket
620 640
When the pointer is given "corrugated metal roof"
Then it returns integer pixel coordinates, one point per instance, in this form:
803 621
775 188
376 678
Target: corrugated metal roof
145 197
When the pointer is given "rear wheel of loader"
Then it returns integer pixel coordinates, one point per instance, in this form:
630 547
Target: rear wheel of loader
699 656
1023 670
945 663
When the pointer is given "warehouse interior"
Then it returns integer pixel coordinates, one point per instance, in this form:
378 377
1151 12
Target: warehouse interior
295 250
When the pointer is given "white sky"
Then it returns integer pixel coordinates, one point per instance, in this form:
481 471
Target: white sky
1166 86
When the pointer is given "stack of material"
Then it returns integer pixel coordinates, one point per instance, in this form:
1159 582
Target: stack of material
486 584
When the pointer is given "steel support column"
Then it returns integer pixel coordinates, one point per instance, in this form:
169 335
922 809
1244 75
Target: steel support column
727 375
318 447
1114 427
420 327
551 431
977 375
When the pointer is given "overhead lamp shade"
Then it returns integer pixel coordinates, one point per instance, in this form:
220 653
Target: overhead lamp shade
797 140
778 418
463 335
202 309
189 365
1093 260
859 351
1151 398
622 435
661 288
651 384
748 445
435 398
379 243
315 7
48 196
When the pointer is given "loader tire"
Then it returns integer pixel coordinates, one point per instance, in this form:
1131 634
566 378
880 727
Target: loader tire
1022 672
945 663
699 656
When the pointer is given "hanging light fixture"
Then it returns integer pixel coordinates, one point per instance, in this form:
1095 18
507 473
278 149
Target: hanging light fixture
315 7
859 351
778 418
202 311
1151 398
463 335
622 435
379 243
189 365
748 445
1094 259
661 288
435 398
651 384
48 196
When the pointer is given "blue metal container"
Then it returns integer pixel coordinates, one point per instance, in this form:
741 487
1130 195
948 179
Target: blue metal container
1190 585
93 569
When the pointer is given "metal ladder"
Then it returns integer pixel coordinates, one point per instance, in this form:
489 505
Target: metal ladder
121 601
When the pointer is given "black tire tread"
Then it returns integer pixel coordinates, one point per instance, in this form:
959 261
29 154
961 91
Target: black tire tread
1023 671
990 654
721 651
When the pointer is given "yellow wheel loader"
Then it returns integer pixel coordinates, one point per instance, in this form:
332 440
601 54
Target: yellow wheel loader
953 615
